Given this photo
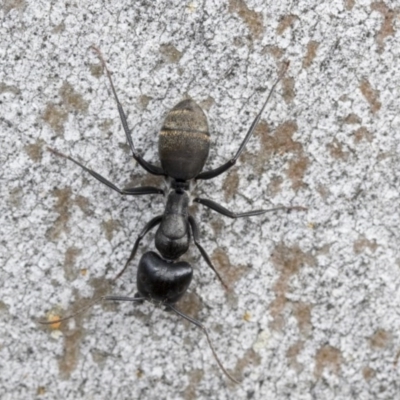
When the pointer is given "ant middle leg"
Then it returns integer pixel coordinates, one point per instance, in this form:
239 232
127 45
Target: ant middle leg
129 191
224 211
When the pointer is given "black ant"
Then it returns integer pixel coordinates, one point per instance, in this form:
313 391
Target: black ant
184 143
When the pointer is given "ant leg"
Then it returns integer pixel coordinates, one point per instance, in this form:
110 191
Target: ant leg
218 171
136 298
150 225
195 230
152 169
129 191
222 210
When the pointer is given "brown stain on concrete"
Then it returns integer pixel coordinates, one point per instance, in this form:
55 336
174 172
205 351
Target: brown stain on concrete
288 261
83 203
312 48
241 41
380 339
280 142
352 119
288 89
249 358
252 19
336 150
35 150
73 336
371 95
41 391
349 4
57 114
110 226
286 22
15 197
96 70
4 88
292 353
192 305
302 313
64 202
62 207
144 101
274 186
323 191
395 362
170 53
362 133
9 5
296 171
231 184
229 272
143 179
4 311
368 373
388 24
195 377
327 357
69 263
69 360
275 52
217 225
72 100
362 243
59 28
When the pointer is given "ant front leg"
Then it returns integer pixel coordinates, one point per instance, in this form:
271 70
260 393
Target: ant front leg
152 169
129 191
224 211
220 170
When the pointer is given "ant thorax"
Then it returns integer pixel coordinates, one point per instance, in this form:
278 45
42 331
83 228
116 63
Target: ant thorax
172 185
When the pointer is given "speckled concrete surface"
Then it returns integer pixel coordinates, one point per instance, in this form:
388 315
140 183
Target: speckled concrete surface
313 310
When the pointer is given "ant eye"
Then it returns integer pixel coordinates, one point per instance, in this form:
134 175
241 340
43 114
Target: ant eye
143 277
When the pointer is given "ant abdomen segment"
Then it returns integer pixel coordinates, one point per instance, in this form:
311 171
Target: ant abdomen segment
184 141
162 281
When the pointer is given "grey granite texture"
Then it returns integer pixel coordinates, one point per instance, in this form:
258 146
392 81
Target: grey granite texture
313 306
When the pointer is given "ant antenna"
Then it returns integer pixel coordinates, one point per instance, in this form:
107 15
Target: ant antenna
203 328
91 304
104 65
139 300
258 117
192 320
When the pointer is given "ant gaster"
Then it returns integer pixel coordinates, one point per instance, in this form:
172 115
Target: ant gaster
184 143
